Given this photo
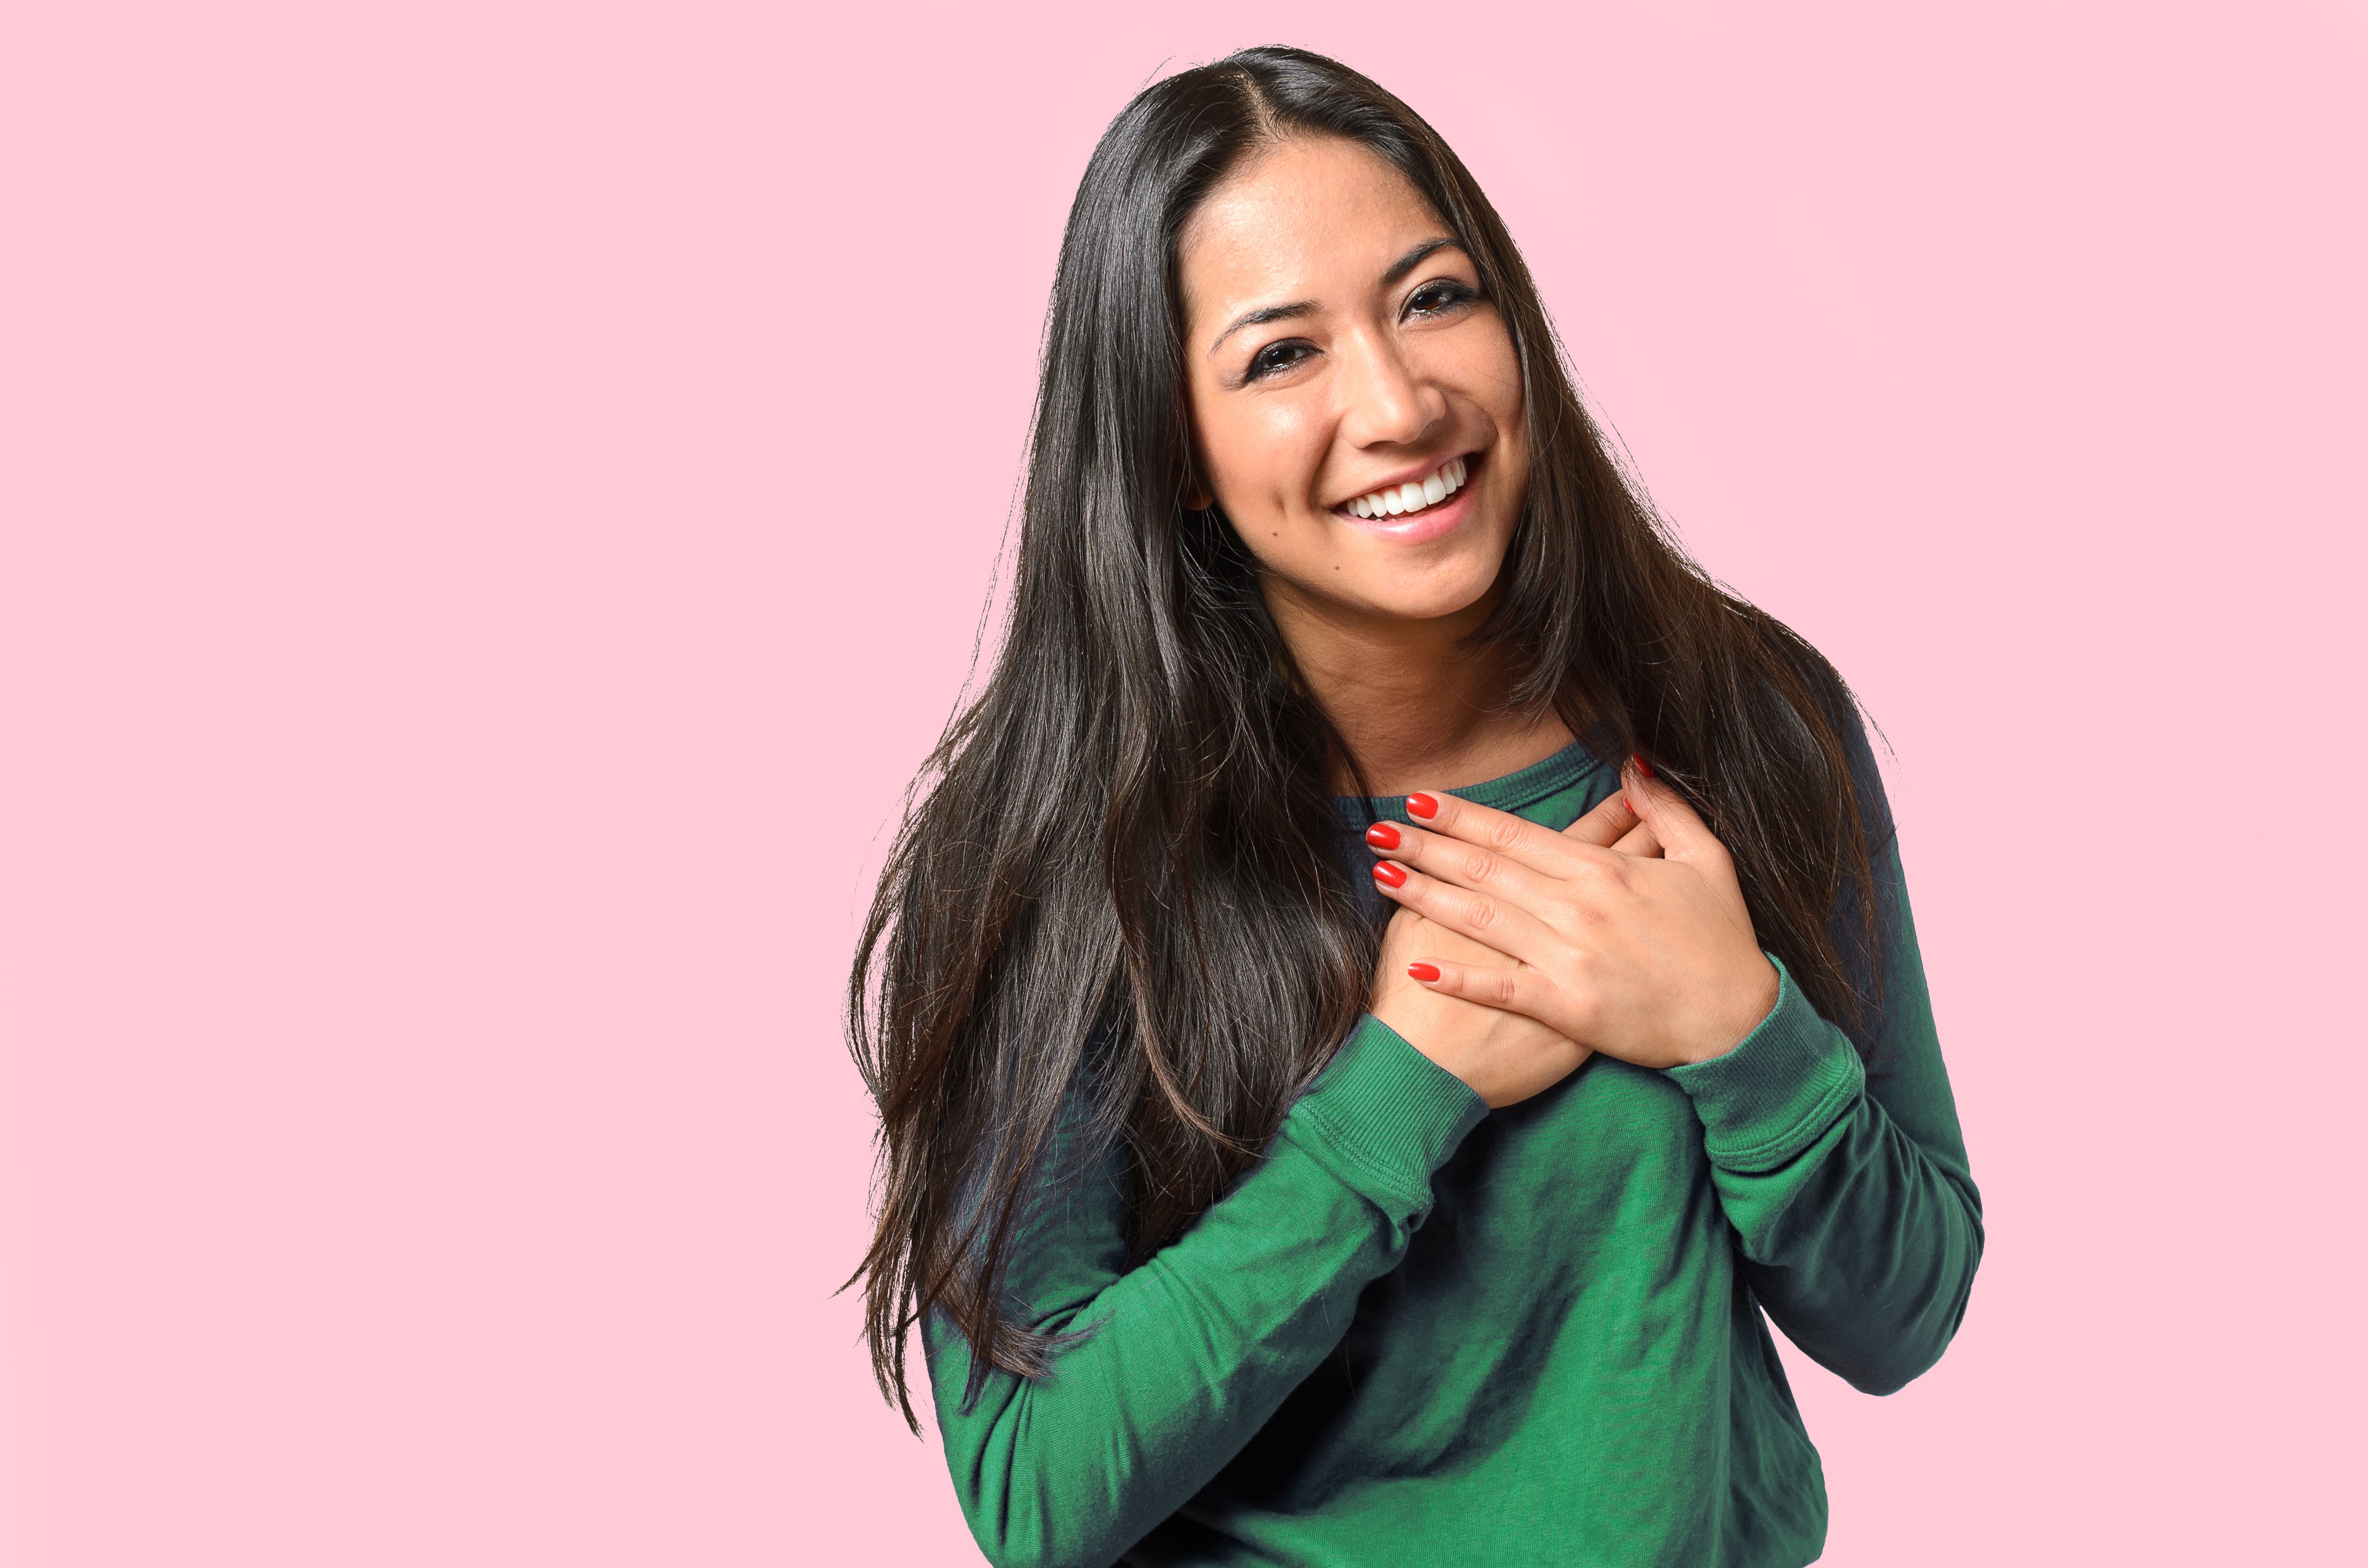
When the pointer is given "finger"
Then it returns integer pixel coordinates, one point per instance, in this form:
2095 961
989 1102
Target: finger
1679 832
1612 819
1640 843
1492 921
1516 838
1466 864
1522 991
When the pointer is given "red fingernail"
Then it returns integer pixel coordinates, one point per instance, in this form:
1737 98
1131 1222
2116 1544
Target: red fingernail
1643 767
1381 836
1630 805
1389 871
1422 803
1423 971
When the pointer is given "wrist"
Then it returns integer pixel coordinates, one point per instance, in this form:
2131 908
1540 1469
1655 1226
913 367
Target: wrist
1754 999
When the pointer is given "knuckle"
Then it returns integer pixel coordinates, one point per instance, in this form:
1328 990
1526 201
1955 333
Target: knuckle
1503 987
1505 832
1479 866
1483 914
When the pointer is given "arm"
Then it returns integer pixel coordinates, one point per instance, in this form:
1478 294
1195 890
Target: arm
1187 1356
1851 1198
1851 1195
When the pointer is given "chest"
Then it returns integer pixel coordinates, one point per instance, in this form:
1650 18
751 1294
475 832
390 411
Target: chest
1597 1188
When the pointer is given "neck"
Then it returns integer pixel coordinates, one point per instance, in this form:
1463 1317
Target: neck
1417 710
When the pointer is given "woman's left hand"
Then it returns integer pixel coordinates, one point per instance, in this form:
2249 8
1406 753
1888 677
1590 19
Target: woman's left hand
1647 957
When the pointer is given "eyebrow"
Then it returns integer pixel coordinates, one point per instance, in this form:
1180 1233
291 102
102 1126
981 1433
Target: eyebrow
1291 312
1299 308
1418 255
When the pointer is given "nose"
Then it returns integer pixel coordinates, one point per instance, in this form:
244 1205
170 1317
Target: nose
1388 403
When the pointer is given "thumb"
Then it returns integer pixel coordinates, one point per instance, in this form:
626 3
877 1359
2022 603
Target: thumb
1680 832
1611 820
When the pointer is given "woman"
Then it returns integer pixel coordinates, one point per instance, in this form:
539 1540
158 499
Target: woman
1242 1225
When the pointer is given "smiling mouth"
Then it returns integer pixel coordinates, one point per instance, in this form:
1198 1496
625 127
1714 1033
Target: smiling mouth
1414 496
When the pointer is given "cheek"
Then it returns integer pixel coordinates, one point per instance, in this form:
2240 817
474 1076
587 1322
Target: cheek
1501 398
1259 459
1500 384
1478 360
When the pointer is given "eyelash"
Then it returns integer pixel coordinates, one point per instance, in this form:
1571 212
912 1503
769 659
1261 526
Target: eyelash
1453 292
1449 294
1265 364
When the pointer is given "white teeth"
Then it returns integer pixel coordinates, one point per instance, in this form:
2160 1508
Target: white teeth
1413 496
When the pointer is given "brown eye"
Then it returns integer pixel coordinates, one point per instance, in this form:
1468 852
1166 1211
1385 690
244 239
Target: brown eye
1277 357
1438 299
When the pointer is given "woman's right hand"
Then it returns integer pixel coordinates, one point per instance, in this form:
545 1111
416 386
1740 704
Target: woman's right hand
1505 1057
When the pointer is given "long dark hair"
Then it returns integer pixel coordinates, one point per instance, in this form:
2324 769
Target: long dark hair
1119 888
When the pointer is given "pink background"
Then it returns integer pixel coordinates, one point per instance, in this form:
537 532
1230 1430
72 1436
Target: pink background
498 499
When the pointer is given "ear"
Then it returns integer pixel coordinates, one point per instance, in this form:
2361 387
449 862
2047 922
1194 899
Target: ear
1193 491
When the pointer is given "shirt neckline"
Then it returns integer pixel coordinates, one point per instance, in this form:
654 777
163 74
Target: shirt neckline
1511 793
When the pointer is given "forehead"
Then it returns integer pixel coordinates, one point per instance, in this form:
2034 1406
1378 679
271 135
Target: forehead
1302 220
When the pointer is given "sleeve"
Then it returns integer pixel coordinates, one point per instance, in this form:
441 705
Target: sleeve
1850 1193
1185 1357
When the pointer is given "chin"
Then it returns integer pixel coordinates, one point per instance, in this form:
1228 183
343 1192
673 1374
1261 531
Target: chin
1431 597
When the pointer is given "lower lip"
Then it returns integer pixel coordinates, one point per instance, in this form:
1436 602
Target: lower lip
1422 526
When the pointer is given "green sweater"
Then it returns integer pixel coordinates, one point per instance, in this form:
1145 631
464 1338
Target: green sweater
1420 1331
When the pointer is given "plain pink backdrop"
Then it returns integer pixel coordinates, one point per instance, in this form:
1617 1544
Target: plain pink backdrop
498 498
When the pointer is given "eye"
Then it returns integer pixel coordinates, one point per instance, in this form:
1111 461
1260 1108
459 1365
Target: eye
1279 357
1441 297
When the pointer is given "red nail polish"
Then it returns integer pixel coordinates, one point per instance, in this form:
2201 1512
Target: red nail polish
1643 768
1423 803
1389 871
1381 836
1632 808
1423 971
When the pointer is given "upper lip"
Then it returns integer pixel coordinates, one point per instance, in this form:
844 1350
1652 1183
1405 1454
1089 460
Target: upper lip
1411 476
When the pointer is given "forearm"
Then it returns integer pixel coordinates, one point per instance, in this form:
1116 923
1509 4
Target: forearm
1860 1239
1186 1356
1868 1263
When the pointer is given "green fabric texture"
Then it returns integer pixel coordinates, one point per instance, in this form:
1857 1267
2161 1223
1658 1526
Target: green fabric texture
1421 1331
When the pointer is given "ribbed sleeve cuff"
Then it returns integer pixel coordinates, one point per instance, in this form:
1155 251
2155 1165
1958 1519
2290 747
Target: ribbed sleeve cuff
1773 1094
1383 1116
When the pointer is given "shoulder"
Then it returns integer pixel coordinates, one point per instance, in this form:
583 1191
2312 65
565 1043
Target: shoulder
1837 708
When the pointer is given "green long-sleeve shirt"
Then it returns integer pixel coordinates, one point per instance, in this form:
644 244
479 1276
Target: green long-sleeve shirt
1420 1331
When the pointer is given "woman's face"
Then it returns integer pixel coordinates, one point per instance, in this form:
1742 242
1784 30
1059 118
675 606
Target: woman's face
1338 351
